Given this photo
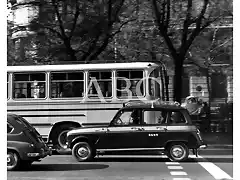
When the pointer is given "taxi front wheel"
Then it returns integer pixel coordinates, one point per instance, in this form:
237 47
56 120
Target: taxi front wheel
177 151
82 151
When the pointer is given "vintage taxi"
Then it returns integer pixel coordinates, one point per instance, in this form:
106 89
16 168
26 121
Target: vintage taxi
164 127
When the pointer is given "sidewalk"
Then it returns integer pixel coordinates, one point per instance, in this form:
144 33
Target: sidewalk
218 139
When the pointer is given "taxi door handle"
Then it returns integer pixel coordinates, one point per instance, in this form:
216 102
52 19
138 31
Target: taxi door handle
138 129
165 129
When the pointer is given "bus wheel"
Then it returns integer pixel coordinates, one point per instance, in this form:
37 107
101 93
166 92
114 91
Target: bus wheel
13 161
177 152
59 137
82 151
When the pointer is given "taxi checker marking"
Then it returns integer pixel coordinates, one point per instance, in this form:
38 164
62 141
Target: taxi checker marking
152 134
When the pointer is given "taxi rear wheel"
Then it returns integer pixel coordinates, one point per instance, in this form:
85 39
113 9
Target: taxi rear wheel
82 151
13 161
177 151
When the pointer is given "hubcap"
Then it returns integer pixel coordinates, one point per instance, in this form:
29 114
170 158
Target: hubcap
11 159
62 139
83 152
177 152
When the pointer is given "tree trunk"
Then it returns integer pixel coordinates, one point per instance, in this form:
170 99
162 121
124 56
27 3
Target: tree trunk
208 115
208 87
177 86
166 77
70 51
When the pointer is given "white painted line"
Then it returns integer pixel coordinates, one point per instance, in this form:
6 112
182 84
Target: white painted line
178 173
175 167
214 170
181 179
172 163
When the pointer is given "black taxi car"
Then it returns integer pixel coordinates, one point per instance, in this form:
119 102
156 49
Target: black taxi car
24 144
164 127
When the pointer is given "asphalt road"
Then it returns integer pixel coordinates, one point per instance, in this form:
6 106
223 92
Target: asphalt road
65 167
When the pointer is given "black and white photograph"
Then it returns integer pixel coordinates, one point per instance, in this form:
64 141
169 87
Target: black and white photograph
119 90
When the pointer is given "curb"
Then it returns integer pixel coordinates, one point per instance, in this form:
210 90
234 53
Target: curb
220 146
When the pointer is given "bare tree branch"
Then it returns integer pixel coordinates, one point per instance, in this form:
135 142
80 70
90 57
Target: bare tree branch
51 30
76 15
187 22
120 27
55 5
162 29
221 44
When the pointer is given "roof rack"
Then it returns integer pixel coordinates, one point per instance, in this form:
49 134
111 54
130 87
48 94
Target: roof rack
151 102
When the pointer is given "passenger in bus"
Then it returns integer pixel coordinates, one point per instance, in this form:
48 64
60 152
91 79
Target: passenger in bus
67 90
77 90
42 92
109 89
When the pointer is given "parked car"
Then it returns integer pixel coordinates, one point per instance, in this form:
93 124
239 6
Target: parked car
24 143
146 127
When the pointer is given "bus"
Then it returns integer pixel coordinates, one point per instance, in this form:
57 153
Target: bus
58 98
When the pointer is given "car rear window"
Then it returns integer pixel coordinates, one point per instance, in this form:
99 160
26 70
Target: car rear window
9 128
22 121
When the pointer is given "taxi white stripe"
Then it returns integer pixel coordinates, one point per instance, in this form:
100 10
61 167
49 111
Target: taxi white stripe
130 149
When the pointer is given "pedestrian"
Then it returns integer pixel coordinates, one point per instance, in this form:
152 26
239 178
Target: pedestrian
203 116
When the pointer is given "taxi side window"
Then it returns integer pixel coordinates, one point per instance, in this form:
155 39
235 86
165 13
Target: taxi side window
131 117
176 118
155 117
9 128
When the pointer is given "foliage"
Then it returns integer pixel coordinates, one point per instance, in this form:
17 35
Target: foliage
78 30
10 45
179 23
212 48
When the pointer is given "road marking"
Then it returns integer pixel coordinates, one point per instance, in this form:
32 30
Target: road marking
214 170
181 179
178 173
175 167
172 163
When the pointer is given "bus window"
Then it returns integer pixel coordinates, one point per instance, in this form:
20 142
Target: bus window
67 84
103 80
29 85
154 83
128 80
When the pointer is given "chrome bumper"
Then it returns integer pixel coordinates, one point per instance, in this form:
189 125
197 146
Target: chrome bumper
204 146
43 153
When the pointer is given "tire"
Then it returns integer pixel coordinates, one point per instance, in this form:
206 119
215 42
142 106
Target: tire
13 161
177 152
59 138
82 151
